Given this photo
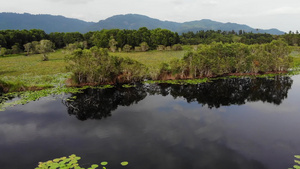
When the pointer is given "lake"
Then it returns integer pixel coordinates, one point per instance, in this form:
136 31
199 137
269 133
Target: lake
231 123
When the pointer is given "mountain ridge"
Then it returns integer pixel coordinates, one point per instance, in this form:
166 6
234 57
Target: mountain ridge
58 23
46 22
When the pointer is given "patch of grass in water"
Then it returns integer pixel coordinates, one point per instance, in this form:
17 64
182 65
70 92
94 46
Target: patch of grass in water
128 85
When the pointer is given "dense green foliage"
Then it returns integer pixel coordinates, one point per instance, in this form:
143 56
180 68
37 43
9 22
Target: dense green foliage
96 66
12 41
135 37
207 37
218 59
41 47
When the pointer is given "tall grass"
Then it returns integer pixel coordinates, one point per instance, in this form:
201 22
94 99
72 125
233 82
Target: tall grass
152 59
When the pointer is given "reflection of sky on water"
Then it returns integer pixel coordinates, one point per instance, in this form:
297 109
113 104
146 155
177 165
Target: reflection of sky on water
157 132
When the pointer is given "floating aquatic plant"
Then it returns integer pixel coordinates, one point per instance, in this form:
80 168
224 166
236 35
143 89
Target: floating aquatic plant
297 165
70 162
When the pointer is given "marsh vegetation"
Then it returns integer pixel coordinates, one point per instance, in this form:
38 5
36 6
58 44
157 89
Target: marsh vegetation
129 56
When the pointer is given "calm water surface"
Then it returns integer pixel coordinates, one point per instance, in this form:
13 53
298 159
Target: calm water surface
234 123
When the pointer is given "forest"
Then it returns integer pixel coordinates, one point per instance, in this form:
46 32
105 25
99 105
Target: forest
13 41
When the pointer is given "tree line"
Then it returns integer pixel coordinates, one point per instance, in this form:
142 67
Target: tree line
13 41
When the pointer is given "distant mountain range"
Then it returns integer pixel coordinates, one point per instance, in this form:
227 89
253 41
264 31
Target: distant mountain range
48 23
51 23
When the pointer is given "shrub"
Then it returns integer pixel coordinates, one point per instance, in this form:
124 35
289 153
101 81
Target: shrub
177 47
97 66
160 47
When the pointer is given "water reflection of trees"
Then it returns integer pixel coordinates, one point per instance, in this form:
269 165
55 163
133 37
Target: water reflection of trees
99 103
231 91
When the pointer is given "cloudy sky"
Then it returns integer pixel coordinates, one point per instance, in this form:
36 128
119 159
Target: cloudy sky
264 14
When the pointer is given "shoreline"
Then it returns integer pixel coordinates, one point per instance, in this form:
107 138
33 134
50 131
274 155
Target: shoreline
5 88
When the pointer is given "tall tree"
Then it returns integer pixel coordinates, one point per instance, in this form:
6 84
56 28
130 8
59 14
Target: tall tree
45 47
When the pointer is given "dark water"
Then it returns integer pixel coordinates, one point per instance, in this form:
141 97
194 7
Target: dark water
233 123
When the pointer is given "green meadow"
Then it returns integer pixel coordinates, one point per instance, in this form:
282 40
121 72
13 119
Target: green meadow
30 72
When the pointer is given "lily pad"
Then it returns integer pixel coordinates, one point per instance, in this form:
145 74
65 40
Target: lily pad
124 163
104 163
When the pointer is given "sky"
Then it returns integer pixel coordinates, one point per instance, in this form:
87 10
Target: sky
263 14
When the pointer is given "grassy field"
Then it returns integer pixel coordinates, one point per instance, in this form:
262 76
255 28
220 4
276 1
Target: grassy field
32 65
152 59
26 71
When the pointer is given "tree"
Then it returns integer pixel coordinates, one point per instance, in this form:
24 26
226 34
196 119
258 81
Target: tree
28 48
3 51
144 46
35 47
72 37
16 49
113 44
100 39
45 47
126 48
58 39
2 41
143 35
37 34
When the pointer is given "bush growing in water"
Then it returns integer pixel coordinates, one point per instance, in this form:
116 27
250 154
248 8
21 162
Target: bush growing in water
96 66
218 59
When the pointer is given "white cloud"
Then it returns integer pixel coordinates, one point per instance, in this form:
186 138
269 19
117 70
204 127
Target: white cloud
209 2
284 10
72 1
